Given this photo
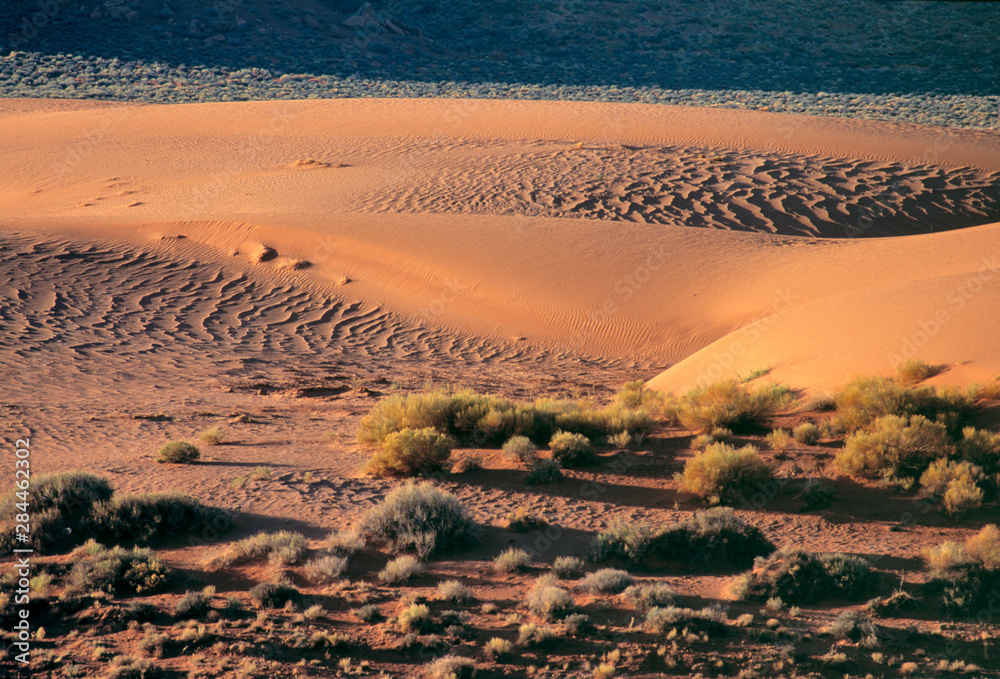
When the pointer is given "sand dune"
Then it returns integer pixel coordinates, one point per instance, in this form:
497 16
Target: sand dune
497 230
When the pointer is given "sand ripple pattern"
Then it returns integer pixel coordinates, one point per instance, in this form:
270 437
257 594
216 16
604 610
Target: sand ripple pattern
735 190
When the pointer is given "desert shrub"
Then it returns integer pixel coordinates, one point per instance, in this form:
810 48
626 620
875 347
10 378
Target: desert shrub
454 591
896 447
649 595
512 560
715 536
193 605
451 667
325 569
126 667
853 625
730 404
953 484
794 575
981 448
577 624
368 613
545 470
521 450
634 394
702 441
620 440
984 547
571 450
178 452
143 519
946 557
117 571
411 452
623 539
779 439
273 595
725 474
548 600
212 437
606 580
969 589
344 542
806 433
663 619
530 634
852 576
912 371
894 604
567 566
497 647
470 462
816 495
421 517
283 548
522 521
415 618
400 569
866 399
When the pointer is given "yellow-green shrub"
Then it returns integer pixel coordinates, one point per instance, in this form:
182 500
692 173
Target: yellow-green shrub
410 452
729 403
724 474
896 447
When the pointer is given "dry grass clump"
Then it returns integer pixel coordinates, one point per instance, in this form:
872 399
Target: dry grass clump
497 647
451 667
725 474
512 560
895 447
282 548
953 484
807 434
345 542
779 439
912 372
571 450
400 569
193 605
415 618
649 595
127 667
984 547
548 600
324 570
730 404
178 452
606 580
797 576
116 570
521 450
567 566
454 591
421 517
411 452
530 634
521 521
212 436
866 399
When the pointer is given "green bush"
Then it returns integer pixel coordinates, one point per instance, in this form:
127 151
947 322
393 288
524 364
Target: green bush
807 434
571 450
913 371
607 580
725 474
545 470
622 539
852 575
512 560
895 447
953 484
567 566
324 570
400 569
866 399
59 505
981 448
548 600
117 570
521 450
800 577
178 452
143 519
716 537
193 605
730 404
273 595
650 595
421 517
411 452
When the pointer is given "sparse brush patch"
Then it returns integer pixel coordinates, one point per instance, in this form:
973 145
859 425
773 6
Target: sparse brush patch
716 536
649 595
193 605
669 618
866 399
725 474
548 600
953 484
368 613
895 447
411 452
531 634
497 647
522 521
178 452
623 539
606 580
815 495
912 372
282 548
800 577
470 463
415 618
126 667
620 440
577 624
520 449
894 604
572 450
324 570
454 591
273 595
400 569
344 542
544 470
421 517
807 434
511 560
634 394
117 570
451 667
730 404
212 436
853 625
567 567
779 439
144 519
984 547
